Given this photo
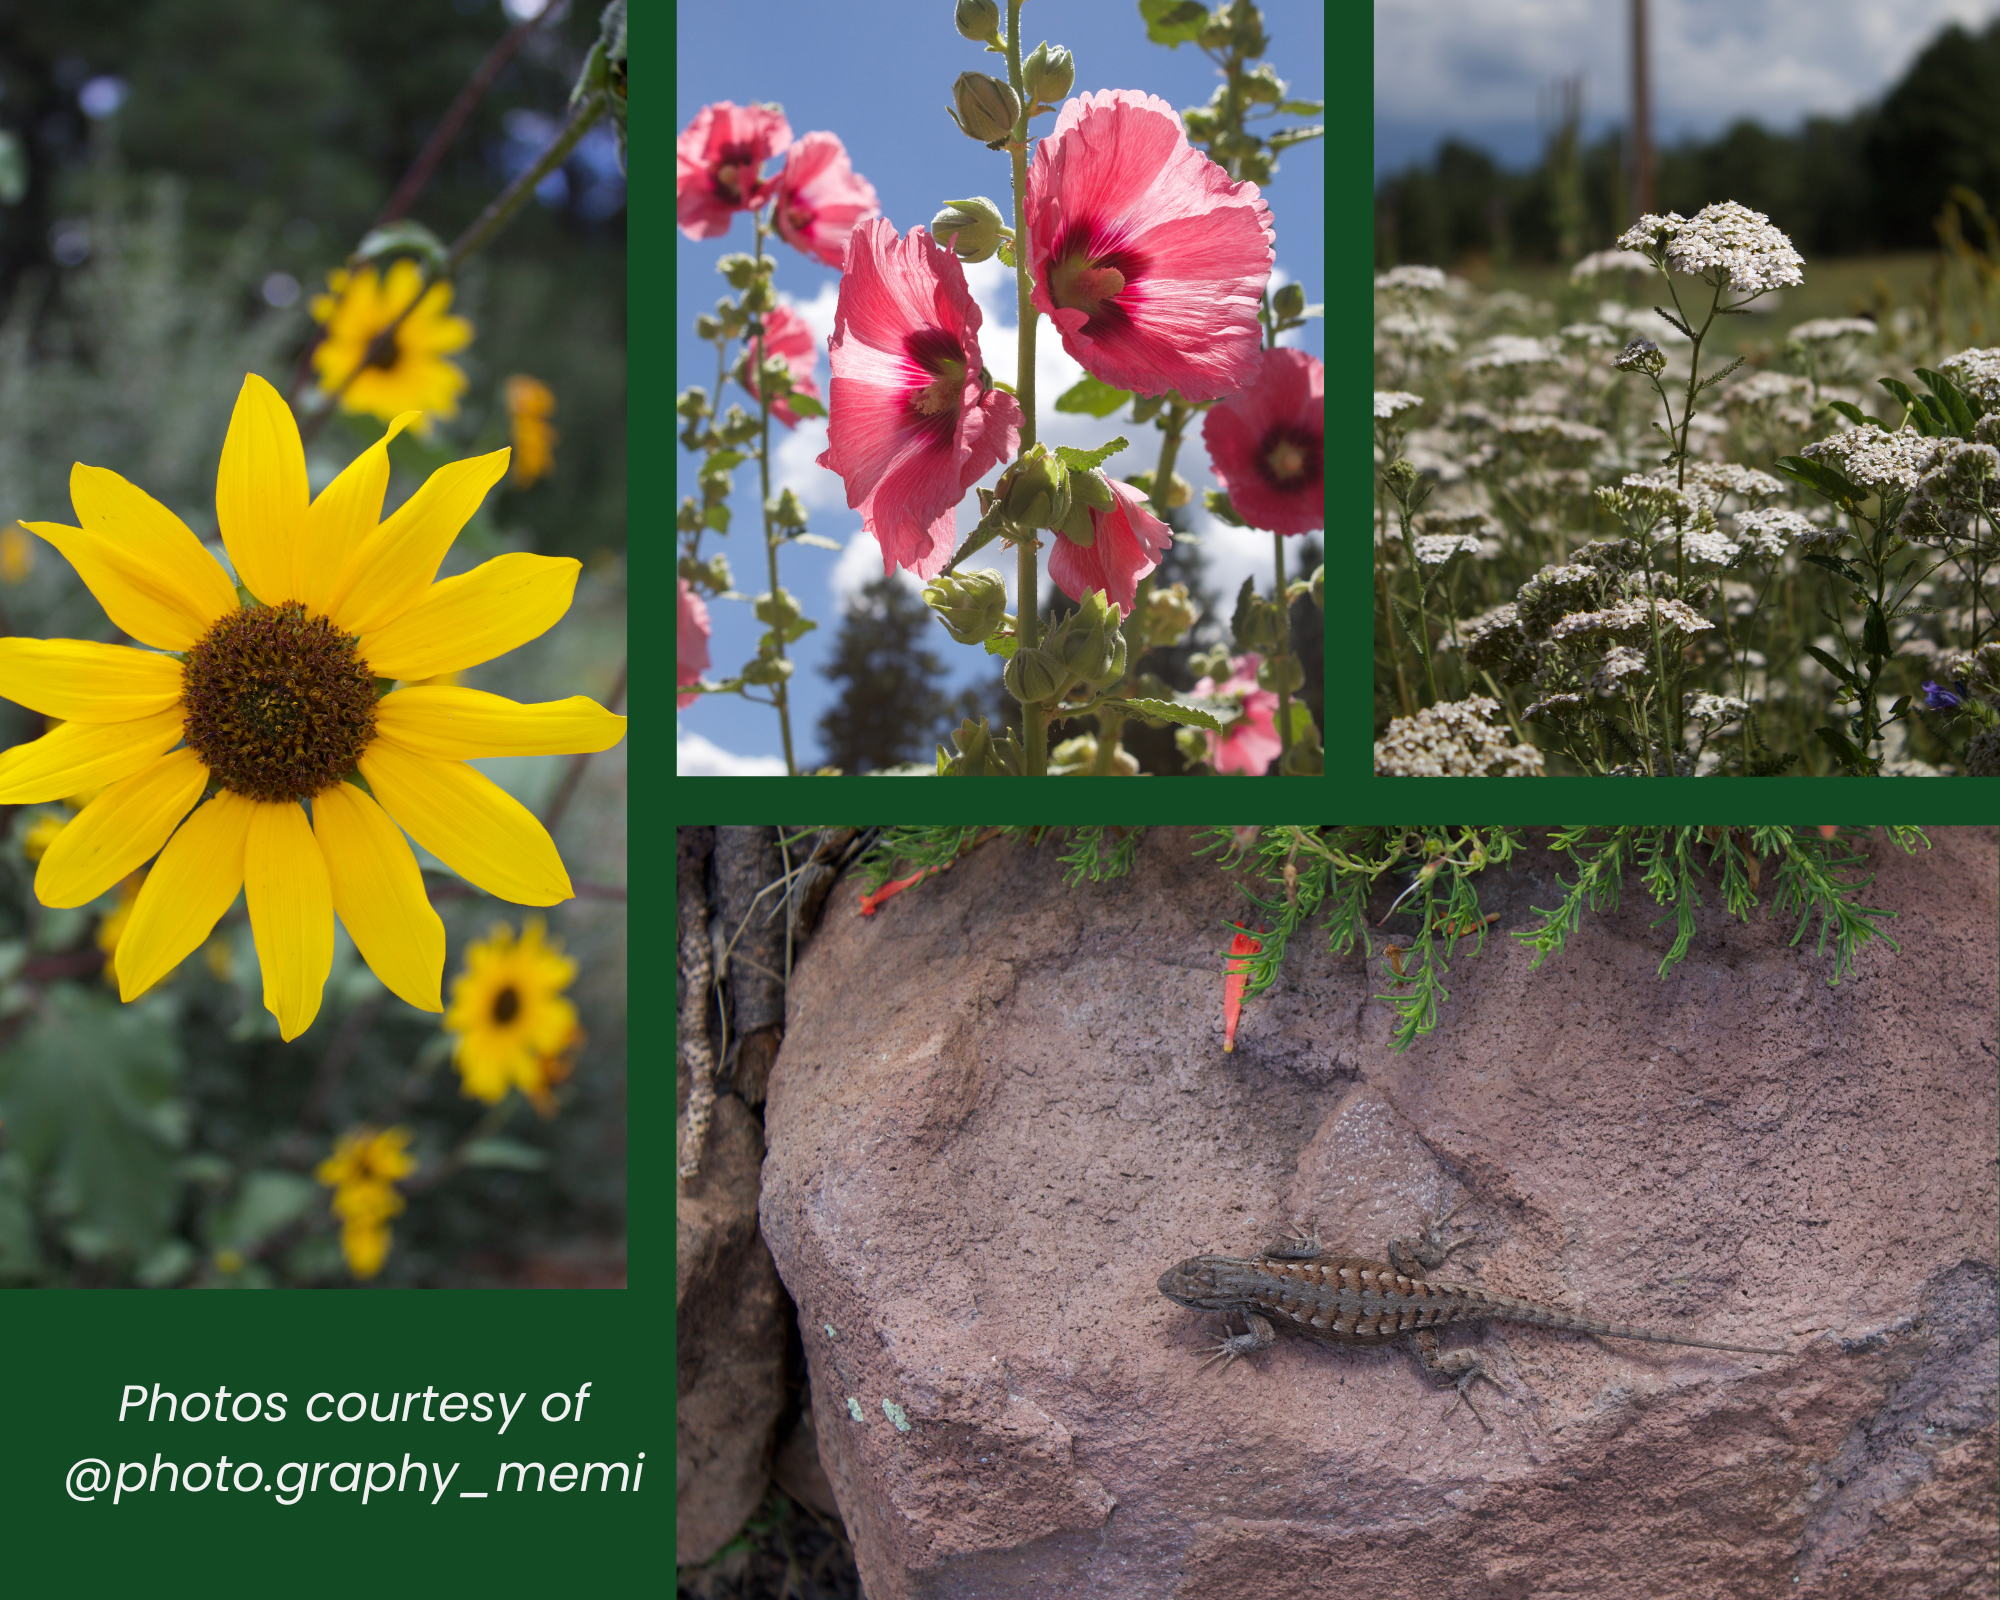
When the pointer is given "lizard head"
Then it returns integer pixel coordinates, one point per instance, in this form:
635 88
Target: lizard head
1194 1283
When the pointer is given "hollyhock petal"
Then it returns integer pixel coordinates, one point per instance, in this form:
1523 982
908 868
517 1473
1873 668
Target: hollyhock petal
1266 442
1149 260
786 336
691 643
821 197
717 160
910 426
1250 744
1128 543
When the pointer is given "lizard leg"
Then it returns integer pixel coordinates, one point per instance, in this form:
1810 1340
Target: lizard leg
1460 1368
1414 1257
1258 1335
1301 1244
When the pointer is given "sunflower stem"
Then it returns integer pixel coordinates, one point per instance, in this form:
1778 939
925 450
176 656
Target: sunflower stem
1034 720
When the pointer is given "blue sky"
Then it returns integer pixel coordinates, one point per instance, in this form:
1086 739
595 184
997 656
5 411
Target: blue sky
880 77
1473 67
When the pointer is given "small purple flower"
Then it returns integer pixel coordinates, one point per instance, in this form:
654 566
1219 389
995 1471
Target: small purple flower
1938 698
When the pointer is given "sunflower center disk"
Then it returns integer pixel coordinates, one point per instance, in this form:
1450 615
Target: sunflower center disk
506 1006
279 704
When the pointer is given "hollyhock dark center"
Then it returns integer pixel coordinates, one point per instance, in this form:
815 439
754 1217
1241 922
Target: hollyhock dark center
935 404
737 159
1289 459
1089 274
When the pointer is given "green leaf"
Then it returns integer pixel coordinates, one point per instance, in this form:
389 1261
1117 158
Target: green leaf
20 1256
1676 321
1831 663
1921 409
1221 509
1302 108
266 1203
1290 136
1005 388
1875 633
404 238
1173 22
1302 720
1003 645
13 176
1835 564
1169 711
1084 460
817 542
1822 479
716 517
1092 398
1006 254
1854 414
724 461
1957 412
1839 744
512 1154
804 405
87 1097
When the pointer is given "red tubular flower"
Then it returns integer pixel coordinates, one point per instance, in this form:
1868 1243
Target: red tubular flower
1236 978
1250 744
1127 547
821 197
1265 441
787 337
912 423
691 643
716 164
1146 257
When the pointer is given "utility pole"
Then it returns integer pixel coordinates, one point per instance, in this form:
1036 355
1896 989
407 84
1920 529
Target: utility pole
1642 116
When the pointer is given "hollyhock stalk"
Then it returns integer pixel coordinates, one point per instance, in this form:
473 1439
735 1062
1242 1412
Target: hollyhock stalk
754 340
1034 720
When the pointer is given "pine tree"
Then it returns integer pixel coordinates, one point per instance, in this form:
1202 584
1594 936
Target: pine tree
892 706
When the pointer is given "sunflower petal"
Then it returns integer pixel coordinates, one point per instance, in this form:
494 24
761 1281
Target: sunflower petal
395 564
497 606
84 755
379 894
469 823
290 896
454 724
80 681
120 830
145 567
260 491
345 513
185 894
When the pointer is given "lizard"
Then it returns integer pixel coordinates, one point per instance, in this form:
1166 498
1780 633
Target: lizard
1355 1301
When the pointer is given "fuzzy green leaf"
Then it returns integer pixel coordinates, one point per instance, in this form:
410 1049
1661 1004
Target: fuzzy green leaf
1092 398
1169 711
1173 22
1084 460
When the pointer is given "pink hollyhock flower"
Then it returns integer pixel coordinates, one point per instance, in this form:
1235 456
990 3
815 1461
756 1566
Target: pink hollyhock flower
788 338
1146 257
1127 547
1264 442
716 164
1251 743
912 422
691 643
821 197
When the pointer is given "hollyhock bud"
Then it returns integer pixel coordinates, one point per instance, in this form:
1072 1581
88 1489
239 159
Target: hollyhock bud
1034 492
981 755
977 20
741 270
971 605
971 229
1048 73
1087 642
985 108
1033 675
1319 586
1287 667
1290 300
1170 614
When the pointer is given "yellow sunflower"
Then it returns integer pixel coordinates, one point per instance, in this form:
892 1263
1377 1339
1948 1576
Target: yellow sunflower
514 1027
361 1172
212 745
530 403
400 371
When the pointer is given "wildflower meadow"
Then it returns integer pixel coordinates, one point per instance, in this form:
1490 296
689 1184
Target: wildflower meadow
1140 238
1643 524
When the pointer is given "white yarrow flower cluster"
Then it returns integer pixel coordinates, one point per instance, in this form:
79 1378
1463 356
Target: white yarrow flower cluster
1457 739
1723 237
1602 261
1823 330
1435 549
1513 350
1413 280
1713 710
1878 460
1633 619
1770 530
1392 402
1620 663
1977 372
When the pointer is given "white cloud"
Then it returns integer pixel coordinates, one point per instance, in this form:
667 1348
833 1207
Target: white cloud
696 757
860 564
